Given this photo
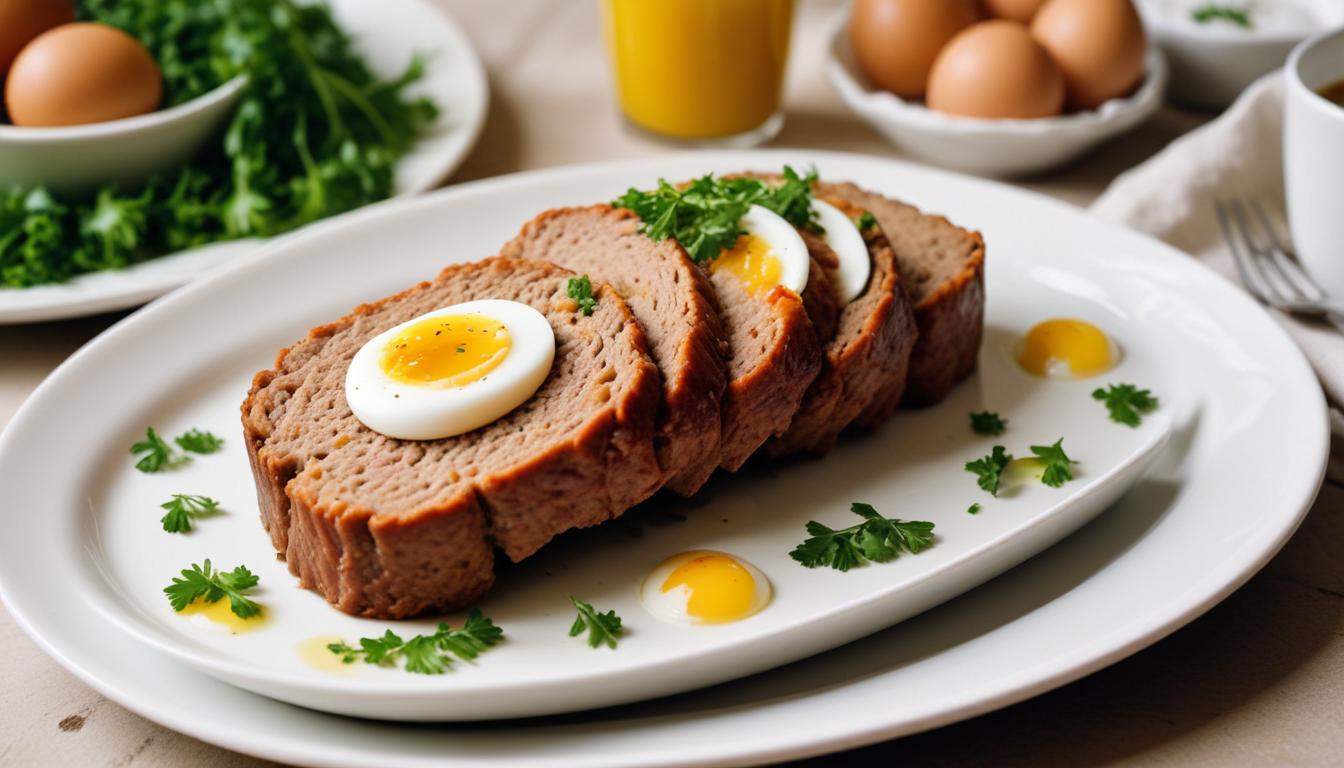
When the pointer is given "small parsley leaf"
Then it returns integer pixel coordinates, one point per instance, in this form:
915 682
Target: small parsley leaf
989 469
197 441
182 508
603 628
1126 402
1213 11
203 582
155 454
988 423
581 290
865 221
974 509
877 539
1056 463
425 654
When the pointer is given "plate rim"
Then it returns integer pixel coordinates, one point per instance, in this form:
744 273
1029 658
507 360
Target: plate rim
1025 687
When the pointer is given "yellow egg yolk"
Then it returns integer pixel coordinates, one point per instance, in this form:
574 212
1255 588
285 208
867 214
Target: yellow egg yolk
753 261
721 590
220 613
1065 349
447 350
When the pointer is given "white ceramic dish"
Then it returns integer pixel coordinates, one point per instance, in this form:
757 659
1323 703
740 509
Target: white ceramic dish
1313 158
387 33
989 147
1176 544
1211 64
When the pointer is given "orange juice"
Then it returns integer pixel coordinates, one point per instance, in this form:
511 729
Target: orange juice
698 69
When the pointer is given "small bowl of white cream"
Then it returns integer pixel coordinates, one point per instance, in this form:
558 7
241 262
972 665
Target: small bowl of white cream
1218 47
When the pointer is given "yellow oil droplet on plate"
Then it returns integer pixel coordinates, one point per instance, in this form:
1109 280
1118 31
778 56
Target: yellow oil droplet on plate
315 653
220 613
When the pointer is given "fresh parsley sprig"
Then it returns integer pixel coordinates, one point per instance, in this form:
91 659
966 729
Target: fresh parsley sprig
988 423
1055 462
426 654
196 441
155 454
1126 402
183 508
989 470
203 582
603 628
580 289
879 539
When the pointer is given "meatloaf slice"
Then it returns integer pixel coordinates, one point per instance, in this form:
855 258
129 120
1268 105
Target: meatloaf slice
391 528
677 308
943 267
869 351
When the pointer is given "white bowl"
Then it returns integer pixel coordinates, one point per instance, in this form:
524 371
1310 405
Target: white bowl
77 158
1212 64
989 147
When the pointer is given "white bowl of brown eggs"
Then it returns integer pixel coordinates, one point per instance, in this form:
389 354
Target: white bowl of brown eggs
997 87
83 104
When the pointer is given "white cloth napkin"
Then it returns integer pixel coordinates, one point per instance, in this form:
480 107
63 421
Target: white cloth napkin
1171 196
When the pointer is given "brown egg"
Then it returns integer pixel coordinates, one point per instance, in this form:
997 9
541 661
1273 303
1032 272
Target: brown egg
1098 44
22 20
1014 10
81 73
996 69
896 41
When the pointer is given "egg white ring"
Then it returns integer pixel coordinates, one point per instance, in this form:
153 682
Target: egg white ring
785 242
856 266
671 606
430 412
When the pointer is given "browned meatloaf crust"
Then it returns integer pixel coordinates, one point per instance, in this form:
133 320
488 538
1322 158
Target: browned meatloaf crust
943 267
390 528
869 351
674 303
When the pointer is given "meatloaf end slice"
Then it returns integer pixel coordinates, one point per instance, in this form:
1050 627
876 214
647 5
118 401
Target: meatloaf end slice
943 267
391 528
675 305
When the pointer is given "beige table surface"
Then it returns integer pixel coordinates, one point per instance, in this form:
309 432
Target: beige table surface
1259 680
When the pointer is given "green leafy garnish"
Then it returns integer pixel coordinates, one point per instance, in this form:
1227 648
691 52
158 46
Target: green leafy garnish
581 290
1213 11
705 217
974 509
1056 463
865 221
1125 402
988 423
603 628
989 469
425 654
155 454
315 133
204 583
183 508
197 441
879 539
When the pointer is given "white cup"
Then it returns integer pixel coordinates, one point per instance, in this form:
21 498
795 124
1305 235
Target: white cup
1313 158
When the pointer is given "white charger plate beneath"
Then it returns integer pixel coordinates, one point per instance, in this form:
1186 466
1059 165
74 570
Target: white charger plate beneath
387 33
1177 543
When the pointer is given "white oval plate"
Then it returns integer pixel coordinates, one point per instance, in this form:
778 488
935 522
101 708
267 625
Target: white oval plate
1180 541
387 33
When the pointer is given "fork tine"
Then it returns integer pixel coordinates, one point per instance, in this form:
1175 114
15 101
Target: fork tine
1235 237
1284 264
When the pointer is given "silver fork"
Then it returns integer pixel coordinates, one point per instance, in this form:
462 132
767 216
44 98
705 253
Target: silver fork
1267 269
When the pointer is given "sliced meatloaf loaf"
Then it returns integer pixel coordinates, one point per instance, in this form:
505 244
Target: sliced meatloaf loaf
868 352
676 306
391 528
943 267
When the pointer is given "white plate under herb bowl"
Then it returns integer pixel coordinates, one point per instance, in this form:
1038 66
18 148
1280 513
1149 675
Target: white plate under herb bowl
386 33
1230 381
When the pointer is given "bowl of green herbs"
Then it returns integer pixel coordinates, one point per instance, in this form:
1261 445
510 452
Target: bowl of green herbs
312 130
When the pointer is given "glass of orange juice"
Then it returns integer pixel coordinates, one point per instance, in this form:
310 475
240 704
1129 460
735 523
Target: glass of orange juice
702 71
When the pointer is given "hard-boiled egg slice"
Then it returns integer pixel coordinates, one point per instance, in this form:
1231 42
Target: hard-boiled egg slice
451 370
1066 349
851 277
704 587
770 253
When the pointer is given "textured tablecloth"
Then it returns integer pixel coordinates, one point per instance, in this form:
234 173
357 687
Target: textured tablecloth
1257 681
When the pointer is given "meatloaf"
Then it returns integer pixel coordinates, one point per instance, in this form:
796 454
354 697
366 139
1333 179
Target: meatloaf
673 301
391 528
